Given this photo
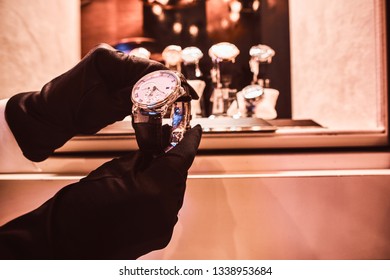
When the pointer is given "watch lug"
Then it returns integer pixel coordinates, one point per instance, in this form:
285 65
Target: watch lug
182 91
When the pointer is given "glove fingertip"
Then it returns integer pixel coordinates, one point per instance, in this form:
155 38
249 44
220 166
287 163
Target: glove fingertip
189 145
193 136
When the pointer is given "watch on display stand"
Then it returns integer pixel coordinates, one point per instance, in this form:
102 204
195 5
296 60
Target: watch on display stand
191 57
172 57
257 100
222 54
152 96
252 95
260 55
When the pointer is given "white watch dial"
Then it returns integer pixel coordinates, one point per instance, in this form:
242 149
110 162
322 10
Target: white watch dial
154 88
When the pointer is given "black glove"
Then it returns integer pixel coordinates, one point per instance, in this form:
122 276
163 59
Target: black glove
90 96
122 210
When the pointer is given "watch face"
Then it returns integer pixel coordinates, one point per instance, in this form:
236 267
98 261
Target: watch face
224 51
172 54
252 91
262 53
191 55
155 88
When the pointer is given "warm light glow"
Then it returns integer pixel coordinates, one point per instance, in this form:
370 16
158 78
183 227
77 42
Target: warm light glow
271 3
157 10
224 23
235 6
256 5
234 17
194 30
163 2
177 27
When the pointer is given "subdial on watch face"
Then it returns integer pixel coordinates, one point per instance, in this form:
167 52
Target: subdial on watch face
150 94
154 88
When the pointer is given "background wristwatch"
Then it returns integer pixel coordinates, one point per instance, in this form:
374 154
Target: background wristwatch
152 96
252 94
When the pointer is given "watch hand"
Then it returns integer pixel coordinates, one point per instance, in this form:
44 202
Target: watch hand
159 90
156 88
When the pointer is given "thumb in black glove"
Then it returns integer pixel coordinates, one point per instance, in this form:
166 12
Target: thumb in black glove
122 210
90 96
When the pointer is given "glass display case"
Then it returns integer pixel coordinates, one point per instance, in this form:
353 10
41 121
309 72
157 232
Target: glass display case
286 76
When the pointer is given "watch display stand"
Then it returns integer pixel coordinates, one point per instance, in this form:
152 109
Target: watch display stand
191 57
196 108
172 57
257 100
223 56
263 108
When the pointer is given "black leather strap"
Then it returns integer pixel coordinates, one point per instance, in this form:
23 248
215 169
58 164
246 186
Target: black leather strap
148 132
149 137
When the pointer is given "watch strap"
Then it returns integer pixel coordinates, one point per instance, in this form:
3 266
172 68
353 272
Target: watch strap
189 93
149 137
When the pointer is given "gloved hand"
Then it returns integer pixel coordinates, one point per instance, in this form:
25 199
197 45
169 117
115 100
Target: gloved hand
122 210
90 96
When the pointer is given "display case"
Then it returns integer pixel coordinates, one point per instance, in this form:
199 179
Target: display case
324 75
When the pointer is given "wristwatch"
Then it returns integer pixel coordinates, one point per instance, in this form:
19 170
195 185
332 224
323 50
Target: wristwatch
172 57
262 53
223 51
152 96
191 57
252 94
